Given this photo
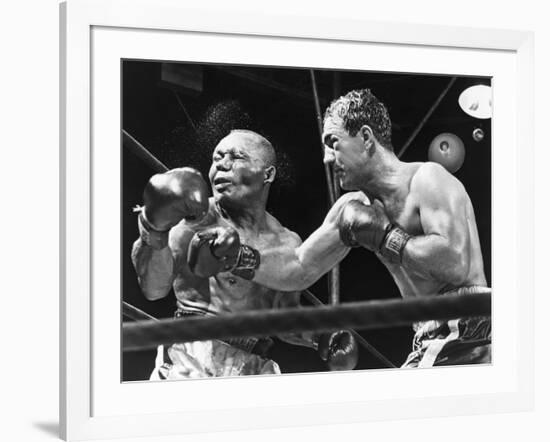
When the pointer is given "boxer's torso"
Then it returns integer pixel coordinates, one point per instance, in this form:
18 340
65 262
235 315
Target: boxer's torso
405 212
224 292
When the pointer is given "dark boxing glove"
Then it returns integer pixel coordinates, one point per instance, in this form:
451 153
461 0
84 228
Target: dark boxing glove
168 198
219 249
369 226
339 350
175 195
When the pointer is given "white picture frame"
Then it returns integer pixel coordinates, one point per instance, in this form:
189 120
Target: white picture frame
79 377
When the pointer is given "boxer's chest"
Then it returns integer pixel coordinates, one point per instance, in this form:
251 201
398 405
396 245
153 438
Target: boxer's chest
238 294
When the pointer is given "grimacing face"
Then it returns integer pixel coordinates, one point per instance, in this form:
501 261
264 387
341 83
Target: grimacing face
238 170
347 154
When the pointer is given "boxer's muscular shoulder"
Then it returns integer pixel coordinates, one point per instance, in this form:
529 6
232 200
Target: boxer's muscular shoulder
431 180
281 235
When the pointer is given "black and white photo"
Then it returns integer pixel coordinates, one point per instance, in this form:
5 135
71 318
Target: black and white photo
252 190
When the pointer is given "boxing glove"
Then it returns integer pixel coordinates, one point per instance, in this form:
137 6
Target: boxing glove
219 249
370 227
172 196
339 350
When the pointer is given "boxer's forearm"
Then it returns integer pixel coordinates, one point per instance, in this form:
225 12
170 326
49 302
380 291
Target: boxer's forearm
296 268
154 268
435 257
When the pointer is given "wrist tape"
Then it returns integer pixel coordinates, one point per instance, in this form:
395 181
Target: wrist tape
154 238
393 244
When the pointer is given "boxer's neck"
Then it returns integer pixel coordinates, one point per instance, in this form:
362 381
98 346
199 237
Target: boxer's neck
384 179
252 218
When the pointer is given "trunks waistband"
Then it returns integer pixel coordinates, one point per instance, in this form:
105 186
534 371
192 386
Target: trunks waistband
425 327
467 290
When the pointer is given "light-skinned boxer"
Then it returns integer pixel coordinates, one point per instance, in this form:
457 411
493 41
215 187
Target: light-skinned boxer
416 217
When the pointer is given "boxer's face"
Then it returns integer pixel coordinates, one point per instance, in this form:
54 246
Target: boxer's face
238 170
346 153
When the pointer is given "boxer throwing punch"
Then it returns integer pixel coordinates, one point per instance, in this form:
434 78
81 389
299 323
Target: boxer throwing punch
196 245
416 217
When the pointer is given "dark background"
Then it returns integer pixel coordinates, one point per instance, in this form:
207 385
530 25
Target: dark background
179 111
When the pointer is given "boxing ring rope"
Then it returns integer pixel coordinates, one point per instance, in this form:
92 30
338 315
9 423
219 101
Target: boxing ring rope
358 315
141 152
359 338
135 313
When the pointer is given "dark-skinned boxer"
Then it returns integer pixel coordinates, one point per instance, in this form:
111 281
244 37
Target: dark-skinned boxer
416 217
196 246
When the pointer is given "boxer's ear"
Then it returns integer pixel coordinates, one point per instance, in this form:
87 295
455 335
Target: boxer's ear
269 174
368 137
366 133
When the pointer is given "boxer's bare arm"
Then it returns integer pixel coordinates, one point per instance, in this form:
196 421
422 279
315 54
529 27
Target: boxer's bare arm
291 265
442 252
156 269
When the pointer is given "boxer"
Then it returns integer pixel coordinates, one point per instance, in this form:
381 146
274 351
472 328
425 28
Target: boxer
206 250
416 217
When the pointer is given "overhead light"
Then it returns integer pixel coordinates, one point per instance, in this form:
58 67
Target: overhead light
477 101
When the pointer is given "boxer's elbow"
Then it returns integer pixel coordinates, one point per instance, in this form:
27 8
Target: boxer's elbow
303 282
154 295
436 258
303 276
454 267
292 279
153 292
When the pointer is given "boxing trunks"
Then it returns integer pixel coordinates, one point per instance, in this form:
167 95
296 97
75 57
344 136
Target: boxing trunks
455 342
215 358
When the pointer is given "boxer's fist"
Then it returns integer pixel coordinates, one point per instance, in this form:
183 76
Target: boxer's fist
213 250
175 195
219 249
339 350
362 225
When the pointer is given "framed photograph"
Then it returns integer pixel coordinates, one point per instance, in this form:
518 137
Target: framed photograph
263 119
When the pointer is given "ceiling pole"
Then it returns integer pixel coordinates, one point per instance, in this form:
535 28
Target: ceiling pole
426 117
185 111
320 128
336 92
334 276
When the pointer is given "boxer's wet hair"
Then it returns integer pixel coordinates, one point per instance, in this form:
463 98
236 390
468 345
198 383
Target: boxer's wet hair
217 122
228 116
361 107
